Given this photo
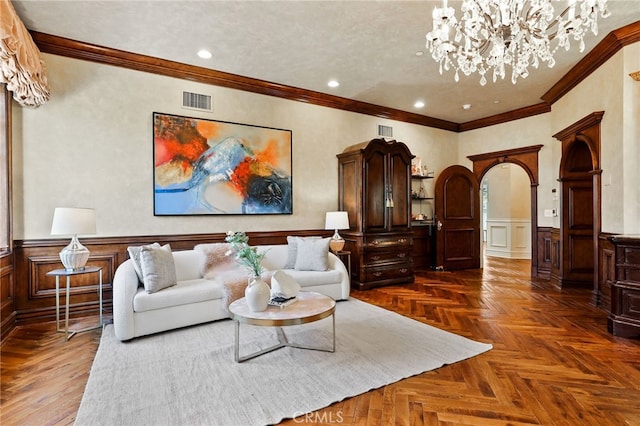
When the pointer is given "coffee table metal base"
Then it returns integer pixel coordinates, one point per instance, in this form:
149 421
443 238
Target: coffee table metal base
283 342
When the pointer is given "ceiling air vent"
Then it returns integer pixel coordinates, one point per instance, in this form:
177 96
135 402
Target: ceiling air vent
385 131
197 101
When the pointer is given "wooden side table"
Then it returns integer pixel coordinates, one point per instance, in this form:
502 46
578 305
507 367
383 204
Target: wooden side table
65 273
347 254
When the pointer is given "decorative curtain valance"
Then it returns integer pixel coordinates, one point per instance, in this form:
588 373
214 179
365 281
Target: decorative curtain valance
21 65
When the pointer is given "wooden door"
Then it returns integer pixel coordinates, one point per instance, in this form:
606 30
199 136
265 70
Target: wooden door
577 252
577 215
577 232
457 219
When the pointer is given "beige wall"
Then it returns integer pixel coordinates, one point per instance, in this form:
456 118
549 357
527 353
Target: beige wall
526 132
91 146
608 89
509 195
631 141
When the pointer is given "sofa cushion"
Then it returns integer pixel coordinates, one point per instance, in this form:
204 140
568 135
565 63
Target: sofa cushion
158 269
275 257
314 278
313 255
183 293
134 255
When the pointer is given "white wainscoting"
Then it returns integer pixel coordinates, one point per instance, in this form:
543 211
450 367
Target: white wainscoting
509 238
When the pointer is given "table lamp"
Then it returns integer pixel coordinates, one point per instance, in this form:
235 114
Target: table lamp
335 221
73 221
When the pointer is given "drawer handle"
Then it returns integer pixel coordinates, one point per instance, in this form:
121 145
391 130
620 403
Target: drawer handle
375 257
375 242
402 240
401 255
377 274
403 270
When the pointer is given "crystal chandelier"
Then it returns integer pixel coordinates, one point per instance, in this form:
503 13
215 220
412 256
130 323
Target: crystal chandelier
519 33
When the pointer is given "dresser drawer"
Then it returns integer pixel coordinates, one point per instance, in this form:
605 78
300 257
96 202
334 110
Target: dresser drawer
388 241
397 272
377 256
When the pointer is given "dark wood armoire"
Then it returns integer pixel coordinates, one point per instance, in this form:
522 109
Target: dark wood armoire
375 189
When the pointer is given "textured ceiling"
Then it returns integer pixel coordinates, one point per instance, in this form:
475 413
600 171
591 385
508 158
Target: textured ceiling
369 46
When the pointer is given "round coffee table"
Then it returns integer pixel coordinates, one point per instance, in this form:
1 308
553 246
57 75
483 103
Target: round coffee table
309 307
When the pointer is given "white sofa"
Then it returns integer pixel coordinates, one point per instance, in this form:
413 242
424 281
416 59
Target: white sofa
195 299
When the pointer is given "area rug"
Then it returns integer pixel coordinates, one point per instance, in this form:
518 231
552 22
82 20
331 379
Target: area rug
189 377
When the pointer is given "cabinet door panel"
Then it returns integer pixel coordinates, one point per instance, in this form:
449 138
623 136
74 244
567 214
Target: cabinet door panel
375 197
400 172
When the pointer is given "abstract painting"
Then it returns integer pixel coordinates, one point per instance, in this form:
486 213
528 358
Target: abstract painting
208 167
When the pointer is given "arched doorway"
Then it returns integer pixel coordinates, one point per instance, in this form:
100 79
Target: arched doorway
527 159
575 247
506 212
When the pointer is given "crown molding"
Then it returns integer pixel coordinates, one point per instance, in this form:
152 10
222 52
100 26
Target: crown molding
105 55
608 47
516 114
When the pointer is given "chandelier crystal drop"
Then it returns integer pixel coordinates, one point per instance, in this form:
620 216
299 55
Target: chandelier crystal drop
520 33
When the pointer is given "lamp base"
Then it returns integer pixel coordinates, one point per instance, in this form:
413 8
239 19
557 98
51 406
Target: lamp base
336 243
74 256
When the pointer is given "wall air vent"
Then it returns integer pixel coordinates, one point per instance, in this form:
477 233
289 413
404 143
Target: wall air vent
197 101
385 131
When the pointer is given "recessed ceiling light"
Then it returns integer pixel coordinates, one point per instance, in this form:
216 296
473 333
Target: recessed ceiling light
333 83
496 102
419 53
204 54
419 104
466 106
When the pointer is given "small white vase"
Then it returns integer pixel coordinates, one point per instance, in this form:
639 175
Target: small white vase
257 294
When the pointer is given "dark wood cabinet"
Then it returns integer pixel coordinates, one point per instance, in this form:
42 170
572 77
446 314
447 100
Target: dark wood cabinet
624 313
424 242
375 189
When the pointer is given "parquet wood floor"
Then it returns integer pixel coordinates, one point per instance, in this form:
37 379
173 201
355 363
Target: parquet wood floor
553 362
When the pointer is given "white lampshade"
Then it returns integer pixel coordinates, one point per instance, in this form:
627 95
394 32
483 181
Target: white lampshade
74 221
336 220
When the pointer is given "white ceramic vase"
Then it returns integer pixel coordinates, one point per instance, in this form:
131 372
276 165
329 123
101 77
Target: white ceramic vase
257 294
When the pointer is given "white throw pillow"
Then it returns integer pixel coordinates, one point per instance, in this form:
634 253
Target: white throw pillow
292 250
313 254
158 268
134 254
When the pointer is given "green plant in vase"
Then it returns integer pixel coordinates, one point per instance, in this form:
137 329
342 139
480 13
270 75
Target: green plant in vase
244 254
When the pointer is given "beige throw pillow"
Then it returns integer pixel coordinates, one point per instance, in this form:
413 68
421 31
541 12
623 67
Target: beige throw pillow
134 254
158 268
292 250
313 255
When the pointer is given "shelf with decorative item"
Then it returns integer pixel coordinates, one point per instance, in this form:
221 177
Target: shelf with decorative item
421 199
